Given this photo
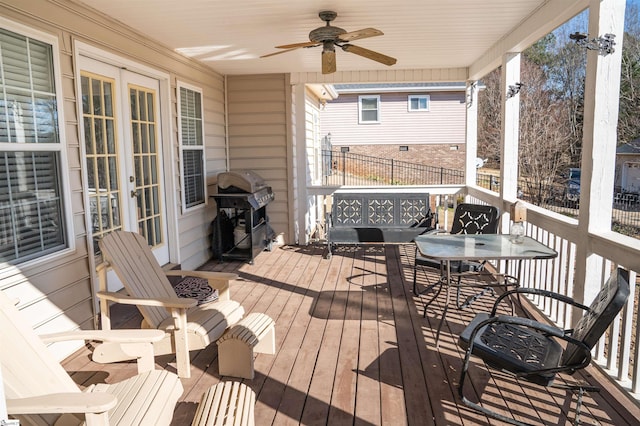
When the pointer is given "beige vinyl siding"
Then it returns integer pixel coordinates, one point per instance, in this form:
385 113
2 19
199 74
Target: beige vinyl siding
312 138
258 135
293 210
55 292
313 160
443 123
194 226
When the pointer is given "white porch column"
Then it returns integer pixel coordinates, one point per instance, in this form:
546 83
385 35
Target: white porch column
510 134
602 88
300 207
471 142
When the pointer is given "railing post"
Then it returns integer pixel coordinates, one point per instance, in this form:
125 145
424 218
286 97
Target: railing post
344 167
392 171
441 175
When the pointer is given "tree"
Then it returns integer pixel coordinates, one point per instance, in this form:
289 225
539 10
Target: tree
544 134
489 121
629 117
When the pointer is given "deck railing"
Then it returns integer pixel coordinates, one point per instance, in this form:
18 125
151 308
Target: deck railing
346 168
350 169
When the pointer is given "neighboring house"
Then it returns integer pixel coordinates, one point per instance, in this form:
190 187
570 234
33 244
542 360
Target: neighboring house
628 167
414 122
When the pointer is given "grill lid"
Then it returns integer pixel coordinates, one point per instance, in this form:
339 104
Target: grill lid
240 181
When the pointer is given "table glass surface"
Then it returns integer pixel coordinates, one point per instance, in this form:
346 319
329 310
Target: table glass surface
480 246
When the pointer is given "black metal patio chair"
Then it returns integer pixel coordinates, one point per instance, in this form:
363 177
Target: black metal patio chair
531 350
467 219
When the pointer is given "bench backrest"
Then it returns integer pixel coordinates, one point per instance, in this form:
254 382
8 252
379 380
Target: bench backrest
380 209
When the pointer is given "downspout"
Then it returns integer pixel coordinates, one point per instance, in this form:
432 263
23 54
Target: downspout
226 124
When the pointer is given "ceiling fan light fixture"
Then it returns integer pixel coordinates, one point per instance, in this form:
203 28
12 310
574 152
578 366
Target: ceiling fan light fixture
328 46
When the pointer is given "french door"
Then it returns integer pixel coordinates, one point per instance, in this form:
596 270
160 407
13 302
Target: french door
123 155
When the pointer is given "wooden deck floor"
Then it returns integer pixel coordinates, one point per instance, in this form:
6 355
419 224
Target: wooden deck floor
353 348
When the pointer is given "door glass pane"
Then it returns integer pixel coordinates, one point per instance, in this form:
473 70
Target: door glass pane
146 170
108 98
144 140
99 134
154 171
152 137
142 105
135 137
101 158
84 82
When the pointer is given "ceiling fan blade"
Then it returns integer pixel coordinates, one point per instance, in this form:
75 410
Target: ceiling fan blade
296 45
281 51
369 54
357 35
328 61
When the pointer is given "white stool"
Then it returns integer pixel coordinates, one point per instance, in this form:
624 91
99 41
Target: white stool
226 404
253 333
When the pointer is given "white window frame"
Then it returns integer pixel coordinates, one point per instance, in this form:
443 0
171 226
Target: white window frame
183 148
360 99
60 148
411 97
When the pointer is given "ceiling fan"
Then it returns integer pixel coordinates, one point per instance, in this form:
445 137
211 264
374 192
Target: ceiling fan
330 37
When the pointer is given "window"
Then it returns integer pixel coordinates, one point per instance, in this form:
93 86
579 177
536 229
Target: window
192 147
32 222
418 102
369 108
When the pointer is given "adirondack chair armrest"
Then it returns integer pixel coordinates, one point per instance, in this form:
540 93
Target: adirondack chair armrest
72 402
131 344
116 336
165 302
217 280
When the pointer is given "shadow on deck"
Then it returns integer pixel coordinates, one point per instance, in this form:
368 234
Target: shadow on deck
353 348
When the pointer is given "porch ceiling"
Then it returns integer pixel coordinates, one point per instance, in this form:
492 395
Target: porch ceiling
422 34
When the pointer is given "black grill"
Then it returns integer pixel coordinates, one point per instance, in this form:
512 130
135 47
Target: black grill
241 228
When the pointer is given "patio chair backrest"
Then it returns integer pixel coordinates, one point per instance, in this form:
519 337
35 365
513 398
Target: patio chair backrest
606 305
130 256
475 219
28 368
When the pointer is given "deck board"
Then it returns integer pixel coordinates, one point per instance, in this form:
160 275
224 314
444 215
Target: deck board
353 348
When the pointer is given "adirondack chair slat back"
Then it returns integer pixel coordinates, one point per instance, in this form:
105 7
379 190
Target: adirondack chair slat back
133 262
28 368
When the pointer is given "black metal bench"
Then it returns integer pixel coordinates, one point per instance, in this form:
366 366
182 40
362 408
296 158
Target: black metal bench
374 216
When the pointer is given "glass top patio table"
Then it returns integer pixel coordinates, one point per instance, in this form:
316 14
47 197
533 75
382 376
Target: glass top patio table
459 247
481 246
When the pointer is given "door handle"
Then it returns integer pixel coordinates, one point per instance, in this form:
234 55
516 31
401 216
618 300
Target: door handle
134 193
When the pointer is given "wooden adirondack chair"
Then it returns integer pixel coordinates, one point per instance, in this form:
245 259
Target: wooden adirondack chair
40 392
188 327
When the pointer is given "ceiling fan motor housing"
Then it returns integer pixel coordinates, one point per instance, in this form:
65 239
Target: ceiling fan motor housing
326 34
